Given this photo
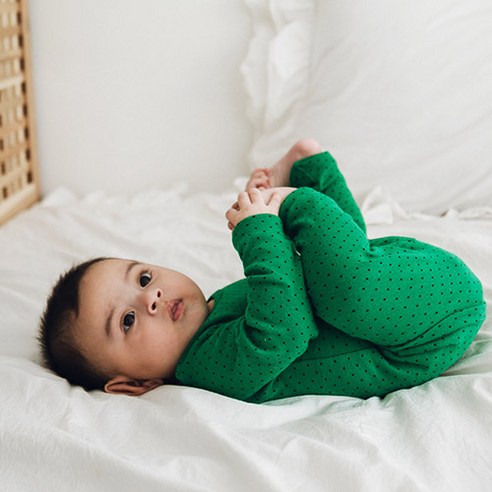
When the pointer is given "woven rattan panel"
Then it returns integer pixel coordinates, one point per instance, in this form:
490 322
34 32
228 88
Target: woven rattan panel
19 186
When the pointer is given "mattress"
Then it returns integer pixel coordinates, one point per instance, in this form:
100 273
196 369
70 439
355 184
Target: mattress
433 437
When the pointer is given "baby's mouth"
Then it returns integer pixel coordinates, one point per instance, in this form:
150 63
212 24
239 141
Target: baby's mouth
175 308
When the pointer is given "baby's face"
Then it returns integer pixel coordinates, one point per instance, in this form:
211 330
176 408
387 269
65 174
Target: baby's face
136 320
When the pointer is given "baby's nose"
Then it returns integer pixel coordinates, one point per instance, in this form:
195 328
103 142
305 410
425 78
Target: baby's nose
153 300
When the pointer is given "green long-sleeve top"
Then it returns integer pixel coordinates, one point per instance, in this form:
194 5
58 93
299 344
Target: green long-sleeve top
261 325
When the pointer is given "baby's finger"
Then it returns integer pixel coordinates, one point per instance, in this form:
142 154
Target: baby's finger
243 199
275 201
256 196
230 214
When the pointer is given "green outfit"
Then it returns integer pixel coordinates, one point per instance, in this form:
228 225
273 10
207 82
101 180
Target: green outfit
325 310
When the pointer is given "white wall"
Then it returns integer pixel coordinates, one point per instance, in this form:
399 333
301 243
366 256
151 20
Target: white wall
138 93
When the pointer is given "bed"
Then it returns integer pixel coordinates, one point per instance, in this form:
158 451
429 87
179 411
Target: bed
401 93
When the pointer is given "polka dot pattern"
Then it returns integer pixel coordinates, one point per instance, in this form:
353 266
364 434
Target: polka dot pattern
259 325
325 310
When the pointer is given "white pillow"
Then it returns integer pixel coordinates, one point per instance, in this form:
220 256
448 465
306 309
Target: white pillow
399 91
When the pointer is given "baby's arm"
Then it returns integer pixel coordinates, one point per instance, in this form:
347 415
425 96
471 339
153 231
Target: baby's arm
269 321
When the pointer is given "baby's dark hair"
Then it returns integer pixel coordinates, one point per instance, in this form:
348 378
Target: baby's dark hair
56 337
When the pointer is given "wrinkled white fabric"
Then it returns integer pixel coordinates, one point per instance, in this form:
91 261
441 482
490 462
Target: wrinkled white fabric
435 437
399 92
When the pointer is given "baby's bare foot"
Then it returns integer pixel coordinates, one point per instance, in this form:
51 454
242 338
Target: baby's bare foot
259 179
279 174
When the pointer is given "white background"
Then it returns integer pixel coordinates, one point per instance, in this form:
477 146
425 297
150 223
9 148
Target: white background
138 93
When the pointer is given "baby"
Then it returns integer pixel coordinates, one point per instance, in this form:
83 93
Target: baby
322 309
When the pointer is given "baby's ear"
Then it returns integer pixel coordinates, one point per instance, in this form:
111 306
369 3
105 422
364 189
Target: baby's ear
122 385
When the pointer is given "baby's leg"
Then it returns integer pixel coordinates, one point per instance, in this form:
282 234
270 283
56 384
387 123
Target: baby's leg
314 168
278 175
418 304
321 173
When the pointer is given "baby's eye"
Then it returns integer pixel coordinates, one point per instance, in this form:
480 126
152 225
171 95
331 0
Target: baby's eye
144 279
128 321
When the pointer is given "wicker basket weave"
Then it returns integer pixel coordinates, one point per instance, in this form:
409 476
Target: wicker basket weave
19 180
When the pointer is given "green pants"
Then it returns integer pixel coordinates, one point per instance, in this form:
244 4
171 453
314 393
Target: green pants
398 312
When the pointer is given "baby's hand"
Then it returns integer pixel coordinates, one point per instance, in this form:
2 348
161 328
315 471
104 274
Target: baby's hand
254 202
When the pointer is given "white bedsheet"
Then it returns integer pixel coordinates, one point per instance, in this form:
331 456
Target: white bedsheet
436 437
